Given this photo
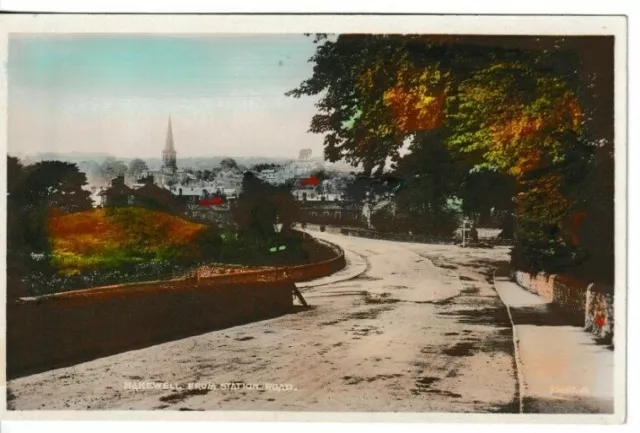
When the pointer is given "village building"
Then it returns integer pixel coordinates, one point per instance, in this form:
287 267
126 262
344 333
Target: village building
148 195
152 196
331 213
117 194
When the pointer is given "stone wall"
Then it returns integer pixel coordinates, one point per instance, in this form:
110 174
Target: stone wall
541 284
72 327
589 305
599 318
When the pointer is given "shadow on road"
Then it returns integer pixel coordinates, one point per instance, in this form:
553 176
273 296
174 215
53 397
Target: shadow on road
568 405
544 315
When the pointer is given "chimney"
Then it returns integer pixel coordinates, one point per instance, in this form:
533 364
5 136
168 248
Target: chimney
117 181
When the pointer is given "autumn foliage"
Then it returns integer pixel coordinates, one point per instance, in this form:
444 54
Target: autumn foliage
116 236
418 99
518 107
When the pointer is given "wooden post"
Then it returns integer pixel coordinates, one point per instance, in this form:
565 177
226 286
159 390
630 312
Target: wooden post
298 295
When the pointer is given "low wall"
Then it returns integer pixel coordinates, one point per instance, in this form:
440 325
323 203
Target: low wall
395 237
298 273
66 328
320 269
599 318
589 305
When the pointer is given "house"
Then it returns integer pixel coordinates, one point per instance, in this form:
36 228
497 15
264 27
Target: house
312 195
117 194
229 179
148 195
188 194
268 175
220 215
331 213
152 196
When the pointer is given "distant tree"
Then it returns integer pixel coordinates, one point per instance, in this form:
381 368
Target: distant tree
383 220
93 171
260 204
17 248
362 188
228 164
15 197
426 182
486 194
37 190
112 168
265 166
56 184
137 168
357 189
207 175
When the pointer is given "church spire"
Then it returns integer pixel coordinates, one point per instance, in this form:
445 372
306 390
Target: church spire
168 147
169 152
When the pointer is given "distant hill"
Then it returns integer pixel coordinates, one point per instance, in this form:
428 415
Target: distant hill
89 162
197 162
69 157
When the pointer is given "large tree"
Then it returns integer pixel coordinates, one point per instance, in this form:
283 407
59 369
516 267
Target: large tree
228 164
530 108
55 184
34 192
260 205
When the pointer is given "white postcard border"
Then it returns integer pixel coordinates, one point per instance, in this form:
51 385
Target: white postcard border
434 24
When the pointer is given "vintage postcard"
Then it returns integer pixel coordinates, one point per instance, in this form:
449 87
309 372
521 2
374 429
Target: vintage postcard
407 218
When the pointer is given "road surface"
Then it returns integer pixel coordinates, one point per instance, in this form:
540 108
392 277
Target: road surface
405 327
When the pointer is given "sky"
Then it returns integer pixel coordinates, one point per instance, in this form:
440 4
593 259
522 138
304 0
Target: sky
114 94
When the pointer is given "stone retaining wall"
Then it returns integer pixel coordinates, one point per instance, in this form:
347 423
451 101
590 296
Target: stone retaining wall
70 327
590 305
67 328
599 318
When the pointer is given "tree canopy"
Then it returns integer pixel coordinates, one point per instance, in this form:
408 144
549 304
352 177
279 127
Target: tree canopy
228 164
137 167
519 115
260 205
112 168
35 192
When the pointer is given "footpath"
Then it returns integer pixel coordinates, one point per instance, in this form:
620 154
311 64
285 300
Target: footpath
356 266
561 368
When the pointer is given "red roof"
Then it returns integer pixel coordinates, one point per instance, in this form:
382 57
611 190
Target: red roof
309 181
211 201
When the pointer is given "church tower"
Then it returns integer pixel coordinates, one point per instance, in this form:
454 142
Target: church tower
169 152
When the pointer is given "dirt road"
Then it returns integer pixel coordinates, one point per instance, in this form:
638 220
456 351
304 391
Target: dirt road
420 330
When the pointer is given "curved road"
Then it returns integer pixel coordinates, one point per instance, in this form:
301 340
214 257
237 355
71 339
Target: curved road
405 327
